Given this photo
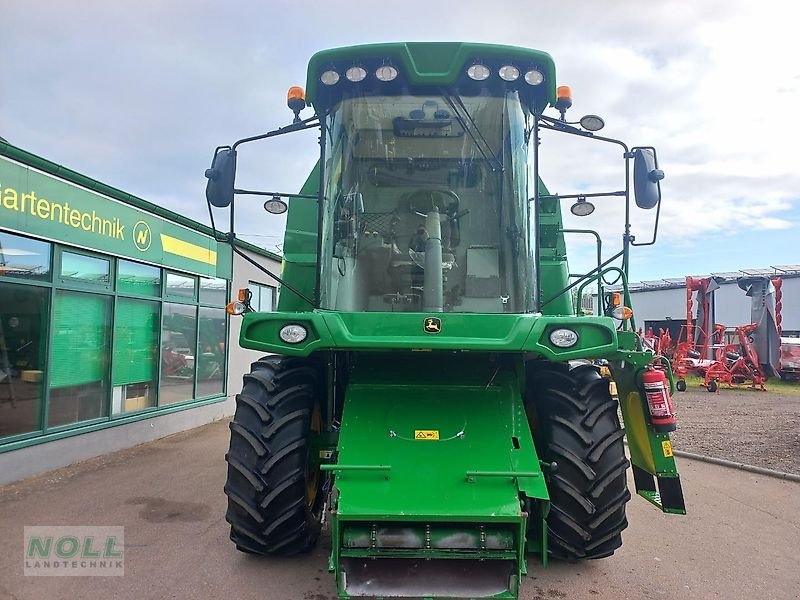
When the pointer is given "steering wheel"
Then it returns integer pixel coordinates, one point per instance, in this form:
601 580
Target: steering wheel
423 201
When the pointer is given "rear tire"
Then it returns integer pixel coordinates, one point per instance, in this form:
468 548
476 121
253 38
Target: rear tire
274 504
576 426
712 386
680 385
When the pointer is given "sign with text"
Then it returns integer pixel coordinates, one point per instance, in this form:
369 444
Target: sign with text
74 551
38 204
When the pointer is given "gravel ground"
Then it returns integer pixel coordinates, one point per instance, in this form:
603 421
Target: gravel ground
756 428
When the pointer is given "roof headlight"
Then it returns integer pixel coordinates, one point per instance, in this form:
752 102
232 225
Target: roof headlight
508 73
563 338
534 77
355 74
478 72
293 333
329 77
386 73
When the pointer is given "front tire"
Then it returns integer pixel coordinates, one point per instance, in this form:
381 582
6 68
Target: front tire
275 503
576 426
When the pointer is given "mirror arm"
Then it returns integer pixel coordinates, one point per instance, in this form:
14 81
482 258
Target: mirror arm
309 123
272 194
592 195
557 125
655 229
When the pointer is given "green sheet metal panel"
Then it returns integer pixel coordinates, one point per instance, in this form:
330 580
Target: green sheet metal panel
81 336
300 247
457 416
459 331
135 341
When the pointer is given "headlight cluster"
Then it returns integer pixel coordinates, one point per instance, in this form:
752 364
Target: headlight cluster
476 72
563 338
357 73
293 333
479 72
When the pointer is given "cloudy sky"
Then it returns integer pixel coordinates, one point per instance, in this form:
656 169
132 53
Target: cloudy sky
137 95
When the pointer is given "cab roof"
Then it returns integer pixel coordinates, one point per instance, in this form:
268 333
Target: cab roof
423 64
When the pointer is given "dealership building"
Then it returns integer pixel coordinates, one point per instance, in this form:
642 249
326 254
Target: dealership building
113 328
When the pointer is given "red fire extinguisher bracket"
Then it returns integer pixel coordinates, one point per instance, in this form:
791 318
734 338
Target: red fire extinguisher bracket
659 402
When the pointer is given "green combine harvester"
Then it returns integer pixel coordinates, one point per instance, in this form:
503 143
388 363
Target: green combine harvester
430 392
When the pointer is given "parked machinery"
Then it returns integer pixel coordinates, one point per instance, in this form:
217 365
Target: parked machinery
428 389
754 353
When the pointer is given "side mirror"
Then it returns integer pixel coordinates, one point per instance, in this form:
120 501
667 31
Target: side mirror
646 178
219 190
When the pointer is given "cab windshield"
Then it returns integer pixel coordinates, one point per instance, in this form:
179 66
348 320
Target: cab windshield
426 205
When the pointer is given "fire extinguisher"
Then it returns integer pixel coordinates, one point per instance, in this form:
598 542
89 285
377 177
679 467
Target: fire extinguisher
659 404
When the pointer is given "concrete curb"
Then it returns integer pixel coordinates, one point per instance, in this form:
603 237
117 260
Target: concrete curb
740 466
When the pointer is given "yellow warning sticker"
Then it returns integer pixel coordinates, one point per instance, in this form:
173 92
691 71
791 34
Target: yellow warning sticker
666 446
426 434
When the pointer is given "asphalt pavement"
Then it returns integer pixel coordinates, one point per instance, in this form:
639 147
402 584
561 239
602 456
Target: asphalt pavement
741 538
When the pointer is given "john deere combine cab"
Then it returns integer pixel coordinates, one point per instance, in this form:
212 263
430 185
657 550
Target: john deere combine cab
429 389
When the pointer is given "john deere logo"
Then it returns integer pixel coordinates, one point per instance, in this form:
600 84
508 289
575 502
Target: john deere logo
142 236
432 325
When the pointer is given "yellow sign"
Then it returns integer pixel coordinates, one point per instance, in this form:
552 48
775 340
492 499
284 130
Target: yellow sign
181 248
666 446
426 434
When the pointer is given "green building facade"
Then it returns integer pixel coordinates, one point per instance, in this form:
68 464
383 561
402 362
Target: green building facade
112 309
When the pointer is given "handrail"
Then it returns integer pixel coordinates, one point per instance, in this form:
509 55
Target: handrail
599 260
625 292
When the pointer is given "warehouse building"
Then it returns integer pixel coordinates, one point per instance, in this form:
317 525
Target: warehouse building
113 328
662 303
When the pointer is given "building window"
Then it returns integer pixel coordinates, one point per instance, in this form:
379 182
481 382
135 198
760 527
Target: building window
213 291
211 352
24 258
86 338
178 350
79 385
263 299
24 310
181 286
139 279
135 367
85 269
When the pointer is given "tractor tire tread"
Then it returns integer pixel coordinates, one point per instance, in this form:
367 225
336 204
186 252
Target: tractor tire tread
268 509
577 426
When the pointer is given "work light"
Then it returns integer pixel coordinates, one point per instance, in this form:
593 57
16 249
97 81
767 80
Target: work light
478 72
508 73
592 123
534 77
386 73
355 74
329 77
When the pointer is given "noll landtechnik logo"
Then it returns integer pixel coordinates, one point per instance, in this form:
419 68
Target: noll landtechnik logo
82 550
142 236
